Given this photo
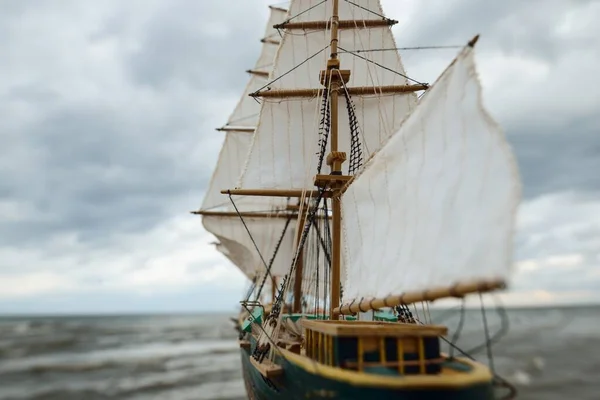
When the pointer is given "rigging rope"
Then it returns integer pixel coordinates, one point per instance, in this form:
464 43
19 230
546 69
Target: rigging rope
383 66
459 328
311 216
355 161
275 252
247 230
402 48
291 70
324 127
366 9
278 26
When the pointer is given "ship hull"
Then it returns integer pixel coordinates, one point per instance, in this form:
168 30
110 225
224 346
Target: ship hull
297 383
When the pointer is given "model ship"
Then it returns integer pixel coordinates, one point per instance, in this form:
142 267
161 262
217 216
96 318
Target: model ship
359 203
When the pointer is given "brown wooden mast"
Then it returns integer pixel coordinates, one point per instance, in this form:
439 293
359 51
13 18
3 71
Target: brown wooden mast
335 159
333 79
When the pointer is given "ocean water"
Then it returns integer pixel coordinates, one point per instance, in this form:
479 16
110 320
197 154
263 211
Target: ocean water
546 353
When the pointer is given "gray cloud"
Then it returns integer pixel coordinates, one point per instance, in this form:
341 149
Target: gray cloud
191 42
116 161
107 121
554 131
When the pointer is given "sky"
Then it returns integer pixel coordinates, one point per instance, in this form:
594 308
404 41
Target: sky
107 141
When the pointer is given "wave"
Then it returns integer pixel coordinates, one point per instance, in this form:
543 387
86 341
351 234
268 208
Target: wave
140 356
211 380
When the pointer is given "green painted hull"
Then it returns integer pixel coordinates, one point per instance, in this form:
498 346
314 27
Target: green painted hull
296 383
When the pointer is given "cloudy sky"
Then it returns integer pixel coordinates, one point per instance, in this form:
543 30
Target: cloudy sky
107 117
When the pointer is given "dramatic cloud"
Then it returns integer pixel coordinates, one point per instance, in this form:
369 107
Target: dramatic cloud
107 117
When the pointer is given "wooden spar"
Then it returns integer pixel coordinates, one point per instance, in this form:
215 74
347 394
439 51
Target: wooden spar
270 41
236 129
352 91
458 290
274 192
275 8
272 214
336 165
297 307
258 72
341 24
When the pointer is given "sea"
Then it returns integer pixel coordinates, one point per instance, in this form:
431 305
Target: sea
545 353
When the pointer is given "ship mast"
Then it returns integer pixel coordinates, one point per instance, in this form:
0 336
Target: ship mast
335 159
332 184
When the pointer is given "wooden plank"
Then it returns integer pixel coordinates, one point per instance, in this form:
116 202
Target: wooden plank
267 368
373 328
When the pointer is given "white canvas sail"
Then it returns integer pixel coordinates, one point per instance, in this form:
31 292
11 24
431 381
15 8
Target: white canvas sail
234 241
245 114
436 205
229 164
240 249
283 153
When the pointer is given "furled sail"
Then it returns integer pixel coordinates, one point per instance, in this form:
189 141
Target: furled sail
284 148
436 205
234 241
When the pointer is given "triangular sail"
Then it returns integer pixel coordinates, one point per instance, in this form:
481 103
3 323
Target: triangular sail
436 206
283 153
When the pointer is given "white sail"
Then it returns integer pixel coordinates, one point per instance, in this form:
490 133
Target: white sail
229 164
238 246
246 112
272 38
234 241
436 205
283 153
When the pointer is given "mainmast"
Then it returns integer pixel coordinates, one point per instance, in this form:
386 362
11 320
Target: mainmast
332 77
282 150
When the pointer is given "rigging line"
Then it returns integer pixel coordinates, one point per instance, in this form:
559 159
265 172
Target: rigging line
275 252
249 234
297 66
504 382
512 390
504 326
382 66
366 9
263 329
299 14
487 335
459 328
252 287
403 48
328 270
322 242
305 230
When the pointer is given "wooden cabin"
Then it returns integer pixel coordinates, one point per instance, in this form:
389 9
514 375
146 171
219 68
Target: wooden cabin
375 346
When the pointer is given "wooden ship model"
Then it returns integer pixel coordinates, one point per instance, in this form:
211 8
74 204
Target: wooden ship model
354 199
